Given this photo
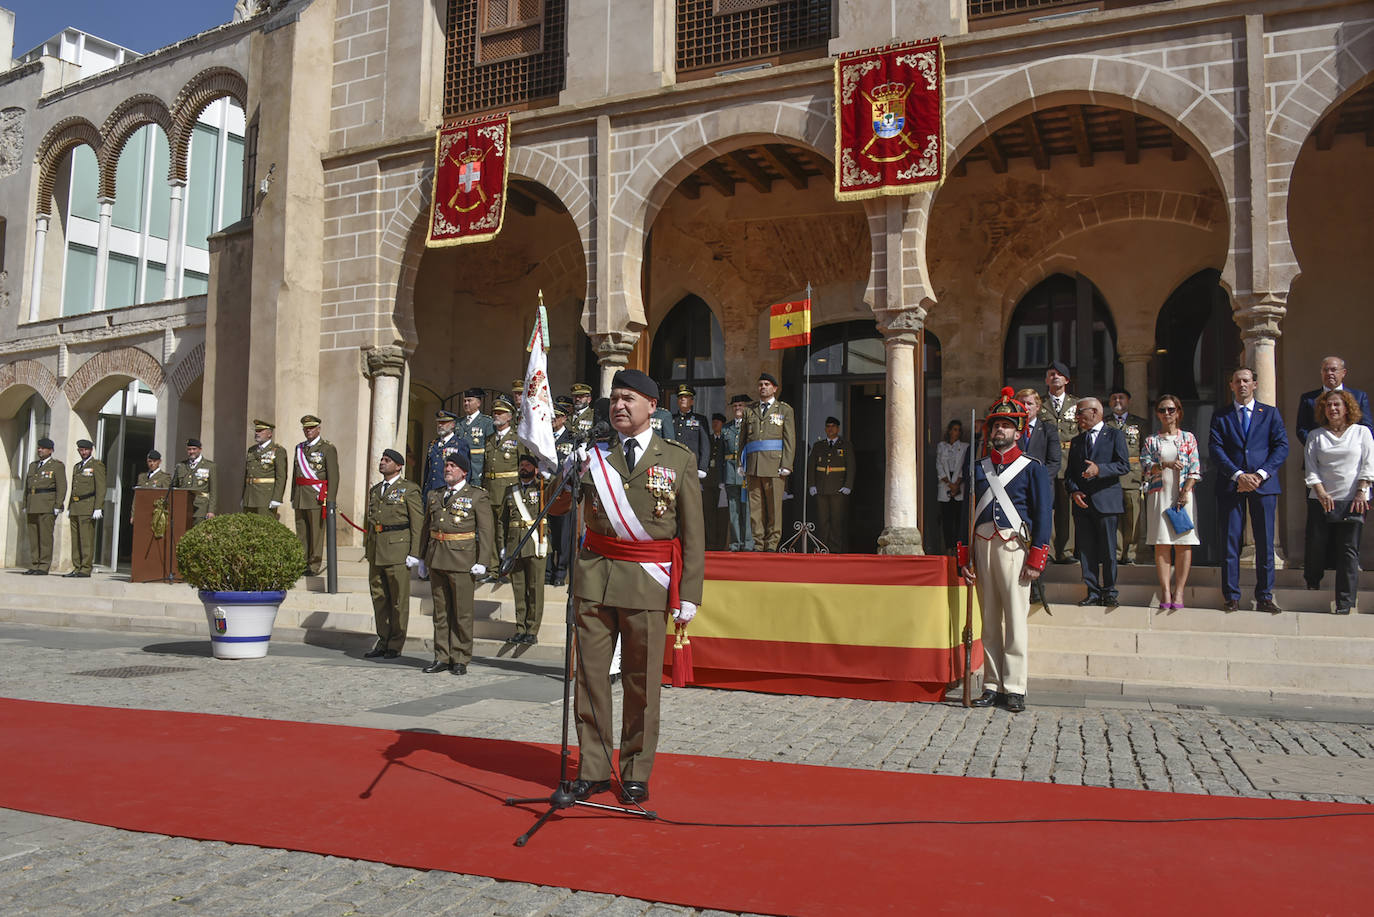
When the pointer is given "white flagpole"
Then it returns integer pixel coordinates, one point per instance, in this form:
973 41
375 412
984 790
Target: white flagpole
806 419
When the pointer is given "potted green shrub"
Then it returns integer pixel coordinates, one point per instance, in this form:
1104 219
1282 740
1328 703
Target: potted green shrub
241 564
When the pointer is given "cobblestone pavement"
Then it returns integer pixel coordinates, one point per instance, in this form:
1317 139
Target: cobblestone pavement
52 866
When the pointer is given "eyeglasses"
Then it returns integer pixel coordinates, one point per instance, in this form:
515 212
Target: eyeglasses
1168 410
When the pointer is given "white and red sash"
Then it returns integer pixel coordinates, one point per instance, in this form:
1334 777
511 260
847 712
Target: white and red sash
306 478
632 542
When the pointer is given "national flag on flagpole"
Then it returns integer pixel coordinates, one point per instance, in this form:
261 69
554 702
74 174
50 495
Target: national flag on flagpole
789 324
535 429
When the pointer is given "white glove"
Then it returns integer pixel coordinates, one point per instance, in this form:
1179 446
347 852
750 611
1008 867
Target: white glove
687 612
57 511
424 569
479 569
845 491
700 473
97 513
582 454
273 504
412 562
813 491
784 472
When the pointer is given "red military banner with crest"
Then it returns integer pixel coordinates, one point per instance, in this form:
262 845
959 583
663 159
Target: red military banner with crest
469 194
890 120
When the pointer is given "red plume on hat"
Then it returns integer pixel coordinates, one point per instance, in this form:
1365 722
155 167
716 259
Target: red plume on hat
1006 407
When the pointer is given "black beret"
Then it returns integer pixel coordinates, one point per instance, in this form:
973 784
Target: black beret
768 377
395 456
46 443
193 442
459 458
738 399
636 381
1121 390
718 416
474 393
830 420
1060 367
84 444
154 454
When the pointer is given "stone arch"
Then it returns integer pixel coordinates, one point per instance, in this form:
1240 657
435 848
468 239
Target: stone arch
190 368
125 361
570 188
202 89
29 375
129 116
59 140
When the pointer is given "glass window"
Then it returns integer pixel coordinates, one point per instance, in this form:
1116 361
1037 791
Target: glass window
828 360
160 209
85 183
194 283
127 212
154 281
121 281
232 211
867 355
78 287
200 187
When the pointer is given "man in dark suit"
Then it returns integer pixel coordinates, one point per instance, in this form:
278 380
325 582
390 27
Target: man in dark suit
1097 460
1333 378
1249 446
1039 441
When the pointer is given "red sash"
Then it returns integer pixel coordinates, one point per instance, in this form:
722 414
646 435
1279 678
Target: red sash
665 551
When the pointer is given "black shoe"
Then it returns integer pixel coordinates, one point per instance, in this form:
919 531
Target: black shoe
1090 600
1342 610
39 572
634 791
70 575
529 639
374 654
516 638
435 667
1312 588
1230 605
989 698
30 572
1016 703
581 789
84 575
458 668
1269 606
391 654
560 581
1111 602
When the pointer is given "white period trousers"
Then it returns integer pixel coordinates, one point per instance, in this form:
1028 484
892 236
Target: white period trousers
998 559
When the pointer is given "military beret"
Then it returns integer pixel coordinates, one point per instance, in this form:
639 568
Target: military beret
581 388
718 416
395 456
1121 390
1060 367
741 399
84 444
193 443
459 458
264 425
636 381
526 457
310 420
830 420
768 377
686 390
444 415
503 404
46 443
154 454
474 393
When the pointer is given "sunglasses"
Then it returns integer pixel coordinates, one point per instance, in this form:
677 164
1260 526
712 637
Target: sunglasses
1166 410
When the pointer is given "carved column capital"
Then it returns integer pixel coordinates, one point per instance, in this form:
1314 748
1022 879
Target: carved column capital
613 348
902 325
388 360
1259 316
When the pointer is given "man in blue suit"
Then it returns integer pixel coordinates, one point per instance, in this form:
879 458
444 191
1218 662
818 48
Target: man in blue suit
1249 446
1098 457
1333 378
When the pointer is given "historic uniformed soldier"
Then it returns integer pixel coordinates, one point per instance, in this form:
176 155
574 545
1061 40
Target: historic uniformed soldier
45 489
456 545
692 429
1010 547
1130 528
766 451
503 455
198 473
830 479
736 496
153 477
314 484
85 507
714 512
446 439
521 505
582 416
560 527
264 472
475 429
392 526
1058 412
642 503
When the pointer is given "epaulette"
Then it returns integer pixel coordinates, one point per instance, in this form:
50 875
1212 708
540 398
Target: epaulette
682 446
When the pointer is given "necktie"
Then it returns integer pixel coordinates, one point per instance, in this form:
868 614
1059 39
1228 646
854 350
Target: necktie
386 485
630 446
1245 420
1092 439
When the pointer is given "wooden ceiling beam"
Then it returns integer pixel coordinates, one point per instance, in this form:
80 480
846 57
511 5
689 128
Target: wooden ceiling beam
1130 145
716 176
690 188
1080 135
760 179
1369 127
787 165
542 195
994 154
1038 152
520 202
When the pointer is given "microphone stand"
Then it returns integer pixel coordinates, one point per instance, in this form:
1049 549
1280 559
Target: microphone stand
562 796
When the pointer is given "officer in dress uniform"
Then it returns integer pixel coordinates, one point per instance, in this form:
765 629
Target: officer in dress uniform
736 496
1130 527
503 457
653 484
45 488
393 522
582 415
560 527
517 399
475 429
456 545
662 424
446 439
518 511
314 483
767 448
713 508
1010 548
1058 413
153 477
85 508
830 479
692 429
264 472
198 473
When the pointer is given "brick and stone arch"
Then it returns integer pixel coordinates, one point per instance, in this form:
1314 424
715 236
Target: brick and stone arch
21 377
56 144
190 368
125 362
202 89
129 116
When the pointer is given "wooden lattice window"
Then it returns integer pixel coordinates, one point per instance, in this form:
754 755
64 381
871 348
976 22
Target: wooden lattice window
717 33
503 54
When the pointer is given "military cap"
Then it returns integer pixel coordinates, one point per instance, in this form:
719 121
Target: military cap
474 393
193 443
1006 407
1119 390
310 420
154 454
563 399
459 458
84 444
562 410
581 388
768 377
444 415
264 425
395 456
718 416
741 399
503 404
830 420
686 390
1060 367
517 385
526 457
636 381
46 443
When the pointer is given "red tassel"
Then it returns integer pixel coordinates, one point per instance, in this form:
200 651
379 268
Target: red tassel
688 674
682 658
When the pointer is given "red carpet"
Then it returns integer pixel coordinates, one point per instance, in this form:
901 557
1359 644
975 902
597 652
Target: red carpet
436 803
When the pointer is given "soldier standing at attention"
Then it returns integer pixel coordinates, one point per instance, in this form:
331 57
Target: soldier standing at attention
830 479
314 484
582 415
767 448
475 430
264 472
198 473
713 498
456 544
1058 413
153 477
1130 530
391 543
503 455
445 440
45 487
85 508
517 398
736 497
521 505
691 429
560 527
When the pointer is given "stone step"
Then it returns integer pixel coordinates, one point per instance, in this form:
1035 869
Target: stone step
1324 678
1203 577
1206 620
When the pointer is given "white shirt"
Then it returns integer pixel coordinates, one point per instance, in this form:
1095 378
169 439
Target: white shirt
387 482
1094 432
643 440
473 416
949 467
1058 401
457 487
1339 463
311 442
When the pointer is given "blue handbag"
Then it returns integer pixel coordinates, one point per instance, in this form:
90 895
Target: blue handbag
1178 520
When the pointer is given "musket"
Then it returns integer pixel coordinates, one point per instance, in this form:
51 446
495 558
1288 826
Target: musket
969 494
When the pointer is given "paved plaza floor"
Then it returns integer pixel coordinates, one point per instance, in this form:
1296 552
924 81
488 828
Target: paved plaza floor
52 866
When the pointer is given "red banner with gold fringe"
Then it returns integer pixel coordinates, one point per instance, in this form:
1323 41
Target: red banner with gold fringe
469 194
890 120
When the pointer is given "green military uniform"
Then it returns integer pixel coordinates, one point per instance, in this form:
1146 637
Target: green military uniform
457 534
87 496
829 470
581 422
1130 528
499 469
527 576
264 475
312 485
201 478
771 430
618 598
45 489
157 478
393 521
1064 420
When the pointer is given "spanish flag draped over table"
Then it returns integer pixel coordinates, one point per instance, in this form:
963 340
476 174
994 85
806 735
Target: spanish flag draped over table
830 625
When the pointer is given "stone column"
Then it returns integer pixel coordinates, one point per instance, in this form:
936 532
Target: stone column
613 350
171 284
385 366
40 241
1259 329
902 533
1136 372
102 253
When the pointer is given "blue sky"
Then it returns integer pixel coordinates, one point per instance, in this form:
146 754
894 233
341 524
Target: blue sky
140 25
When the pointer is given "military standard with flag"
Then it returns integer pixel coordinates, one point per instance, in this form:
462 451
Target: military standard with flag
789 324
535 428
468 200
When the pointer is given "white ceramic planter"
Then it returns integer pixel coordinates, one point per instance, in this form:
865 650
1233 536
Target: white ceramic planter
241 622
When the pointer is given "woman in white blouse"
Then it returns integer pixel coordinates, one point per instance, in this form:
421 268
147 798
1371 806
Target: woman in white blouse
1340 468
951 458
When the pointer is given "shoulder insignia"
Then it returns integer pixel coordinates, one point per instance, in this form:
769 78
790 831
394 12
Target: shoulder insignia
678 445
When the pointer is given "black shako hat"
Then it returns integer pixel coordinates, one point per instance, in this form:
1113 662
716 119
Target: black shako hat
637 381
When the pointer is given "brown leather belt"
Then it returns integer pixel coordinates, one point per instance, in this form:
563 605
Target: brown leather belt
390 528
503 474
452 536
